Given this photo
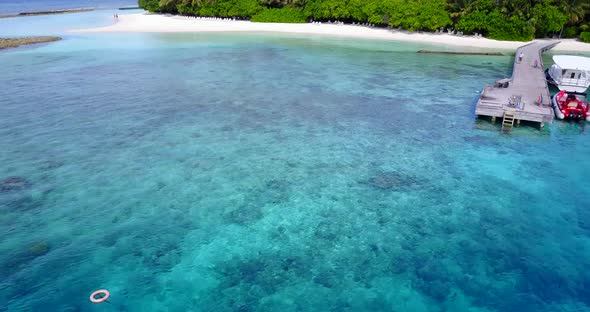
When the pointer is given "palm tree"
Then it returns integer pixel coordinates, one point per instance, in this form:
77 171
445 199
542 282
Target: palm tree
575 10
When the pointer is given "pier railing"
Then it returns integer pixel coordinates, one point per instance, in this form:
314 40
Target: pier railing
527 83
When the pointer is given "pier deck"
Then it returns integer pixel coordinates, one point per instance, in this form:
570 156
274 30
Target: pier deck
526 86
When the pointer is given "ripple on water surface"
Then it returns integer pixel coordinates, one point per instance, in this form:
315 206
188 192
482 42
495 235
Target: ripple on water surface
243 173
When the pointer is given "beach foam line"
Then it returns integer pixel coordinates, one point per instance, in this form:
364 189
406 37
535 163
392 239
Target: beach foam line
142 22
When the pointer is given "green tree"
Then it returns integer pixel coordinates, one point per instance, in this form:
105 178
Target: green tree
514 28
547 18
149 5
433 14
497 19
476 21
245 8
282 15
168 6
327 9
575 10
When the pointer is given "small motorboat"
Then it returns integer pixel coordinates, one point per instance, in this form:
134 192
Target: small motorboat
570 105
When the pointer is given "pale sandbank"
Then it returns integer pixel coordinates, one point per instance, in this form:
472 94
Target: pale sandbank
143 22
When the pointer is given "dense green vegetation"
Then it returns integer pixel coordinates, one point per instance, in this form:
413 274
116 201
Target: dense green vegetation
497 19
282 15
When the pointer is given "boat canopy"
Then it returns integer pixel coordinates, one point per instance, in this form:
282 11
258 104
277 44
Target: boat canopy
572 62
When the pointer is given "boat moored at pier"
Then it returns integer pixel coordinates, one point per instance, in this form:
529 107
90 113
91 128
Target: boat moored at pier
569 73
570 105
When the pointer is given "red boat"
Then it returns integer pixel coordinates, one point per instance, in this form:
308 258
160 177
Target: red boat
571 105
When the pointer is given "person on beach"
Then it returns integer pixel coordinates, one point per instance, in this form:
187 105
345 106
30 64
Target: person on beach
520 57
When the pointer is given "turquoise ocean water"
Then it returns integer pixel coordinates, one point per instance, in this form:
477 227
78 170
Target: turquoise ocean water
199 172
20 6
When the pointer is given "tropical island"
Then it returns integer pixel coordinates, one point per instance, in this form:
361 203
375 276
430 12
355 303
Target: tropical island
516 20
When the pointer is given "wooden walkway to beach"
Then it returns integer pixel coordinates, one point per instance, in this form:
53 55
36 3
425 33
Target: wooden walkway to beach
524 96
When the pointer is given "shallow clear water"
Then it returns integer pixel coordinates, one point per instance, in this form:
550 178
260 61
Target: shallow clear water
271 173
19 6
59 24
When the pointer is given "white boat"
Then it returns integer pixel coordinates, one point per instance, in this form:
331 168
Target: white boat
570 73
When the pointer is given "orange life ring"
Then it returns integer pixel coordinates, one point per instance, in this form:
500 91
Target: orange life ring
102 299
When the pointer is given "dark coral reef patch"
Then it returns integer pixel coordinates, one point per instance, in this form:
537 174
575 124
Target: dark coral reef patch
14 184
392 180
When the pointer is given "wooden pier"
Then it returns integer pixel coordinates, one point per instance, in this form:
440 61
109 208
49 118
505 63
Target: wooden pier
524 96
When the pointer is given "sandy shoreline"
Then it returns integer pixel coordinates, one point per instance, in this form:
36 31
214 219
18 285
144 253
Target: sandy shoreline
142 22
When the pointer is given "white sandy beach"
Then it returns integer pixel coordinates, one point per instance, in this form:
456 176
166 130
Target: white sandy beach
142 22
